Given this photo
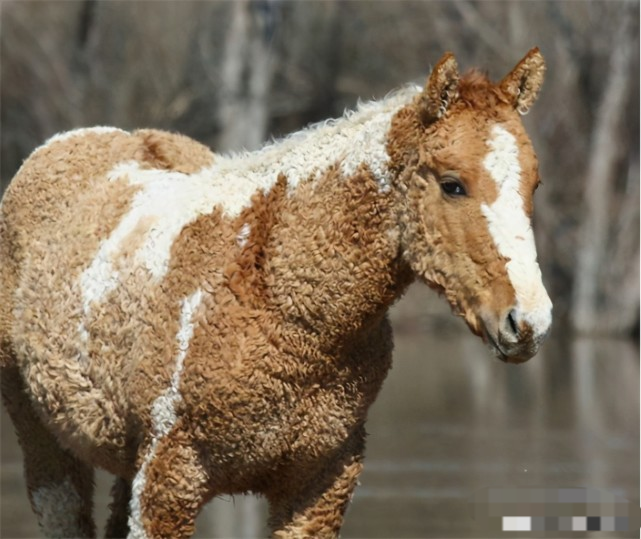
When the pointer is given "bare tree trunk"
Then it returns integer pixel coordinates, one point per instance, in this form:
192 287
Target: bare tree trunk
246 74
589 305
622 285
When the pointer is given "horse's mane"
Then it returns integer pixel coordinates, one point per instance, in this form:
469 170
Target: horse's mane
363 112
475 90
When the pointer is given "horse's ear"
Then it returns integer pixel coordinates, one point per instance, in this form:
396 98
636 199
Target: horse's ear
441 89
524 82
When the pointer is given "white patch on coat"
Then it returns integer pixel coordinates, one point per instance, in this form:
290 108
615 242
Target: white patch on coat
512 232
136 528
58 507
173 200
123 169
82 331
163 412
243 235
81 131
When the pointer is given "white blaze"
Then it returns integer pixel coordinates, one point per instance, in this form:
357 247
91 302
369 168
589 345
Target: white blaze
511 230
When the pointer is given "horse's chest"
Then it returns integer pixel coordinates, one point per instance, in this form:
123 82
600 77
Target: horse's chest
259 420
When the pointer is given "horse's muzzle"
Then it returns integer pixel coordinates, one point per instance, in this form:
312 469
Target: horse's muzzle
516 337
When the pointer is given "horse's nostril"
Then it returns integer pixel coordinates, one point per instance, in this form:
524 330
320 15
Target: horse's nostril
511 323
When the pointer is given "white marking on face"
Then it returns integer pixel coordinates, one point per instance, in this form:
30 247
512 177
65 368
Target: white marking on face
163 412
58 507
511 230
243 235
172 200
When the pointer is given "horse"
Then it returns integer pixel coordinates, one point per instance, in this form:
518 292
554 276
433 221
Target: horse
201 324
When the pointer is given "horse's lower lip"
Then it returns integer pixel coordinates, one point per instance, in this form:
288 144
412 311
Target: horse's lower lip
520 356
495 347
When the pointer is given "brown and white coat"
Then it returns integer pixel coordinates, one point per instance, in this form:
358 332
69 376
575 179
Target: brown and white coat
200 324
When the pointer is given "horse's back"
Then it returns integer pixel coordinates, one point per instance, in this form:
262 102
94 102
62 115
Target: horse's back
61 172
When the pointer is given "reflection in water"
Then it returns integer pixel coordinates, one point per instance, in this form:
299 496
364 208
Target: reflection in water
452 420
456 421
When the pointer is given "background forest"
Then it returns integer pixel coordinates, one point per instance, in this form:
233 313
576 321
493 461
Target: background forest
234 74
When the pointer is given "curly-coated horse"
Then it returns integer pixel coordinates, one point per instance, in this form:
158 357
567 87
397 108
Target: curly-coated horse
200 324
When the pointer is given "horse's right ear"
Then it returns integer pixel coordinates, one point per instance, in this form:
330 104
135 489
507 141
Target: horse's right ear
441 89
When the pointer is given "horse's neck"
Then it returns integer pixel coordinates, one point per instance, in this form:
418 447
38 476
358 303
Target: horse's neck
333 261
332 257
321 218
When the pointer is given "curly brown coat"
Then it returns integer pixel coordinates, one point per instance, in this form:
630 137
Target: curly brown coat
198 327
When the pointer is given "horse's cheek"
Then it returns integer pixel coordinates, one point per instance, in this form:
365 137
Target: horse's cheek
422 234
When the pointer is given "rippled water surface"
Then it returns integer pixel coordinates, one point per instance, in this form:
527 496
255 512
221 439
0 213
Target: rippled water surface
452 420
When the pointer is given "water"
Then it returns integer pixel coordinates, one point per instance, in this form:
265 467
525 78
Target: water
452 420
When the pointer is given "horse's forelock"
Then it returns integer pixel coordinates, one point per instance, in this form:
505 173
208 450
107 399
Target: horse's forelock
476 90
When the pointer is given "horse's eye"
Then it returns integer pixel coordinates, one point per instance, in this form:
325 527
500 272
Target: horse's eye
453 187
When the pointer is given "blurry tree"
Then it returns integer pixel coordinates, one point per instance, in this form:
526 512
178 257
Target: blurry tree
246 74
608 252
233 73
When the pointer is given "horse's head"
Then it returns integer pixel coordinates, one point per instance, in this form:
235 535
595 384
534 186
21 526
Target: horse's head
467 172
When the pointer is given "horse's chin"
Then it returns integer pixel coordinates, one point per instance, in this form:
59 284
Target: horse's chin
479 329
508 353
515 356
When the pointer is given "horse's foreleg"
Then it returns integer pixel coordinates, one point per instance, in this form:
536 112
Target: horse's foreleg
60 486
168 491
316 510
117 525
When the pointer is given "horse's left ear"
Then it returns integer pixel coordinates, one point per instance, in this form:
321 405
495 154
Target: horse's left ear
524 82
441 89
